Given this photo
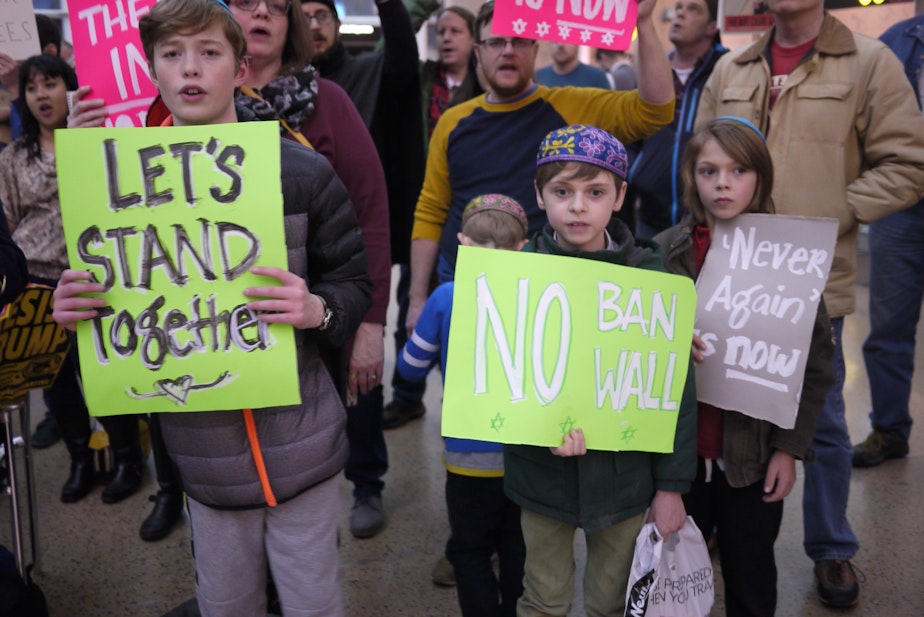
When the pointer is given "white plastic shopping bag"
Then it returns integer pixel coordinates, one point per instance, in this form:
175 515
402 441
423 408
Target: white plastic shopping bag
671 578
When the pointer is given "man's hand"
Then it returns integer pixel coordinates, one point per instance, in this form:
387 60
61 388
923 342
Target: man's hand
645 9
9 74
368 358
573 444
86 113
415 307
667 512
290 303
70 303
781 476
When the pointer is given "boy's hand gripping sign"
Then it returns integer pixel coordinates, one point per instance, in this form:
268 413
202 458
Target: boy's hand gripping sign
171 220
606 24
541 344
758 293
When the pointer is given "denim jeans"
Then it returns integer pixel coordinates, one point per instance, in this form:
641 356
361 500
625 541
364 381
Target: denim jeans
403 391
368 460
896 289
827 479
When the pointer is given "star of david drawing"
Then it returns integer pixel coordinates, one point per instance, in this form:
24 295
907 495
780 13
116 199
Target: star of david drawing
585 35
519 26
542 28
564 31
567 425
607 39
497 422
628 434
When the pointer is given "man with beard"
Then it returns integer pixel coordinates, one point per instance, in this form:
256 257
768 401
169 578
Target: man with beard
487 144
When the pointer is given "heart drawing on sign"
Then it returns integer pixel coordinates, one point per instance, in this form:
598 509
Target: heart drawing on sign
176 389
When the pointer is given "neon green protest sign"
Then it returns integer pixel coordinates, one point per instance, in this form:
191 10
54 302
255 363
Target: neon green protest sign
541 344
171 220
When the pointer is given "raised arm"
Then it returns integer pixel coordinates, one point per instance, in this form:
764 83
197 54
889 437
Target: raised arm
655 83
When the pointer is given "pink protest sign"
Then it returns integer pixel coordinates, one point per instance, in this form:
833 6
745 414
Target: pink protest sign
606 24
109 57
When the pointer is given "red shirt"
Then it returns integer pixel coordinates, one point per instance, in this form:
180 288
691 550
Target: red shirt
782 61
710 426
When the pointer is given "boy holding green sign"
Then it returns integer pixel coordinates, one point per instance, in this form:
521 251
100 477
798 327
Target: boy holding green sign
483 521
580 183
276 506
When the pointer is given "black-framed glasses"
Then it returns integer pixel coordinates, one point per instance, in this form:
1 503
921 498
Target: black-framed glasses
323 17
498 43
280 8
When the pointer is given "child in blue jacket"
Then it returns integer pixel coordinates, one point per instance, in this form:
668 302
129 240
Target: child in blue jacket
482 519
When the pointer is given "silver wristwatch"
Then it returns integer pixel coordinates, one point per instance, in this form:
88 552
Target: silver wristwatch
328 315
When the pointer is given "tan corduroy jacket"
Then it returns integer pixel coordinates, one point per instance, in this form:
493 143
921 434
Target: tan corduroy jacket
845 134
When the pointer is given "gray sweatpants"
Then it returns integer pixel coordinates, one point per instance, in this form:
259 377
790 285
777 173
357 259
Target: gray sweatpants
297 538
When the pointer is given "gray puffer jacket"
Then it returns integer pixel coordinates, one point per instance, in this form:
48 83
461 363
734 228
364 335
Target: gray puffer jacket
302 445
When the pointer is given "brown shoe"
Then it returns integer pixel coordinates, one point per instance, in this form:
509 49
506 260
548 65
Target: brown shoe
398 414
443 574
879 447
837 583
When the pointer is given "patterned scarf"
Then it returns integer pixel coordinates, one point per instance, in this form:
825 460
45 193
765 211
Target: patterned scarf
289 97
439 99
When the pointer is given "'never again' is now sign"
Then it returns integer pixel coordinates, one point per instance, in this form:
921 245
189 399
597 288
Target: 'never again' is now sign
758 293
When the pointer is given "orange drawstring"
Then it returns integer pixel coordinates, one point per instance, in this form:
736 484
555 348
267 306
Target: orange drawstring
258 458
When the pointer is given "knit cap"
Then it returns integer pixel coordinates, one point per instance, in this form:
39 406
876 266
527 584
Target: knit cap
583 143
496 201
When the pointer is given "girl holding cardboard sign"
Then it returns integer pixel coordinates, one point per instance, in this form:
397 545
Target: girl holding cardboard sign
745 467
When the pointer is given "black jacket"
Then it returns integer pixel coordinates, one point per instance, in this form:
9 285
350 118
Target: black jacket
13 273
302 445
654 164
385 87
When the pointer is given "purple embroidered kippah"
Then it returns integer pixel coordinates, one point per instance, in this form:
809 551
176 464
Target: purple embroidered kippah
584 144
496 201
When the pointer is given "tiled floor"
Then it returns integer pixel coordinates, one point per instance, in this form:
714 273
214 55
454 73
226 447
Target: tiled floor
92 563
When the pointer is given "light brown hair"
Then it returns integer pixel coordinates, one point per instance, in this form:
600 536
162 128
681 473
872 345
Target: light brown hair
169 17
495 227
299 47
745 145
579 171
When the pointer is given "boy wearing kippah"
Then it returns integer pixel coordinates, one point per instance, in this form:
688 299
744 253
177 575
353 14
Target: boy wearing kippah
482 520
580 183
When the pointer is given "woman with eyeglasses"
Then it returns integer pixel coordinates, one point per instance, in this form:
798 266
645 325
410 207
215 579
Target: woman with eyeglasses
282 85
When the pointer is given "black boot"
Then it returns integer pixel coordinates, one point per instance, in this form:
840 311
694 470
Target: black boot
127 477
168 503
126 454
80 481
168 507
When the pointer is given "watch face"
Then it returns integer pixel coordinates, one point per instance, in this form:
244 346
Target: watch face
328 315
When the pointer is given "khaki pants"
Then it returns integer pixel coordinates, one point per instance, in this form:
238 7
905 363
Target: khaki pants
548 583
